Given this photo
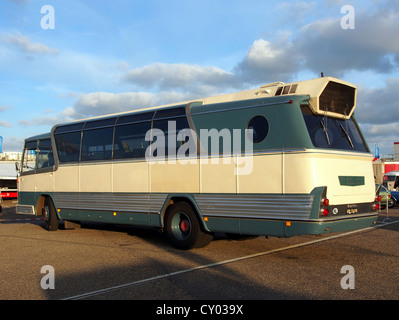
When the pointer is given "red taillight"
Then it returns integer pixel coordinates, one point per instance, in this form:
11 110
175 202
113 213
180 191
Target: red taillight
324 212
378 199
325 202
375 206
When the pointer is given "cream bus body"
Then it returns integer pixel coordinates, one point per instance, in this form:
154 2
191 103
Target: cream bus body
309 173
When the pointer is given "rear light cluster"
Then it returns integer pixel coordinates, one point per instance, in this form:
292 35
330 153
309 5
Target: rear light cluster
323 204
376 205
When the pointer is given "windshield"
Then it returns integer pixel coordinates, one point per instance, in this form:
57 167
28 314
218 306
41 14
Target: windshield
38 154
328 132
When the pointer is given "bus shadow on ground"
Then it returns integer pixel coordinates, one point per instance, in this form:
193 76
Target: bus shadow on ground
161 278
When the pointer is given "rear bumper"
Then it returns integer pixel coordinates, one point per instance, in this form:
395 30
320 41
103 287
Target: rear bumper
340 224
290 228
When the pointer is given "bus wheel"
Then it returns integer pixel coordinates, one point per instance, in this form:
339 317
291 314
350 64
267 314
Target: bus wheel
50 216
184 229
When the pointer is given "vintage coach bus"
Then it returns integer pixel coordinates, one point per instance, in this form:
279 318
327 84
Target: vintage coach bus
308 169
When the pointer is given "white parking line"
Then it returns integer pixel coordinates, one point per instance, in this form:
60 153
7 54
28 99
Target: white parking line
215 264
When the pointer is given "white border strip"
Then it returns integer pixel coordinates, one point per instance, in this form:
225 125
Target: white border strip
210 265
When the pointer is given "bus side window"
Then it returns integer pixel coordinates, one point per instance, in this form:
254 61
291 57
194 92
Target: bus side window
97 144
68 146
45 156
171 122
130 140
171 127
260 128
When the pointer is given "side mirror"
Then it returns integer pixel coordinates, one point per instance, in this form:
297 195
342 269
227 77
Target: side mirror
17 166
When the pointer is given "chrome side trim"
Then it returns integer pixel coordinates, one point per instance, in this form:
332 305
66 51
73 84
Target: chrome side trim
258 206
156 202
121 202
255 206
349 216
247 206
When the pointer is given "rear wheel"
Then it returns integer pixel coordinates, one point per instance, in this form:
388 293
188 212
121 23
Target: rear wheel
184 229
50 216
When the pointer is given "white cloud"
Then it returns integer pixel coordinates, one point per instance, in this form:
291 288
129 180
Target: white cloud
382 135
268 62
24 44
379 105
3 108
101 103
296 11
184 77
325 46
45 120
5 124
12 143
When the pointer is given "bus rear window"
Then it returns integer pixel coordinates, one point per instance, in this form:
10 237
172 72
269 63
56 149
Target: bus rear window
328 132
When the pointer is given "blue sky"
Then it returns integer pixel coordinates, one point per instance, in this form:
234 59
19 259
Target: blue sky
110 56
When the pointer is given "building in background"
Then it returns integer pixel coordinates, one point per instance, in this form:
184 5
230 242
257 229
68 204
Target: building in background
396 151
384 165
10 156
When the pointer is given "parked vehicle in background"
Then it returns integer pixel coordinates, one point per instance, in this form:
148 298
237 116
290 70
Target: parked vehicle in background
385 196
8 180
395 198
391 180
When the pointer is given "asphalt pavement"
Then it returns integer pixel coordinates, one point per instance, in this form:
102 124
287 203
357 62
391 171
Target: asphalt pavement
105 262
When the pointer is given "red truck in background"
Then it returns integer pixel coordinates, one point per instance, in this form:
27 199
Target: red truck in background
8 180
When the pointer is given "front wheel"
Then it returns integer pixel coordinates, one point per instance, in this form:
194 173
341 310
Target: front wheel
183 227
50 216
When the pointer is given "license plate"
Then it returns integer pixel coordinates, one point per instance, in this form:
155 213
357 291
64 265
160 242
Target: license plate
351 210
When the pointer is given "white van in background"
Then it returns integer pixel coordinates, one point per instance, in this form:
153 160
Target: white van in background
391 180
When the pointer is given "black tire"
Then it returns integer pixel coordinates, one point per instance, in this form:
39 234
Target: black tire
184 229
51 221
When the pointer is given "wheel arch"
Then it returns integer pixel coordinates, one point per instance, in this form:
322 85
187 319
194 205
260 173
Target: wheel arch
190 200
41 200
